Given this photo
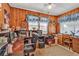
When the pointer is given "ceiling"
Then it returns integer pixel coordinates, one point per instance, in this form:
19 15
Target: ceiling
57 8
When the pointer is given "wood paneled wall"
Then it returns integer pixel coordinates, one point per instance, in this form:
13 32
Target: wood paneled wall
18 17
53 24
57 26
7 8
1 20
1 16
70 12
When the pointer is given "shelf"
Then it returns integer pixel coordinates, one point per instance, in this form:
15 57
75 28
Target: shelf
2 33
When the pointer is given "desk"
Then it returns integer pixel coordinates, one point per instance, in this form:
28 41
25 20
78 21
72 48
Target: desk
75 45
68 42
62 37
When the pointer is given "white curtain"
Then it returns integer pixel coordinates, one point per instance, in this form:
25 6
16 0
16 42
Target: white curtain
67 27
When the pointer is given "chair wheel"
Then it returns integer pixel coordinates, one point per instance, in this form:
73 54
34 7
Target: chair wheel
26 55
32 54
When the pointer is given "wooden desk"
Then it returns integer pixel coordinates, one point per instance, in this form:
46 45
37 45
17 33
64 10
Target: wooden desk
75 45
62 37
59 39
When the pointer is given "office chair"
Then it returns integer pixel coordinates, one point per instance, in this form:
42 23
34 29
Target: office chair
28 47
41 42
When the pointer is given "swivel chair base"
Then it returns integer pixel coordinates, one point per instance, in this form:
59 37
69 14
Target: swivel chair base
29 54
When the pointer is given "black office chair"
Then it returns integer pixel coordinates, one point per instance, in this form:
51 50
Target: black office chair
41 42
28 47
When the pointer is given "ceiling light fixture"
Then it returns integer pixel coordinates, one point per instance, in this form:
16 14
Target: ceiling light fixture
49 6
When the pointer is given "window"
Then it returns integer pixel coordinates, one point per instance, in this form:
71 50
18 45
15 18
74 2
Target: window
44 25
38 23
32 22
